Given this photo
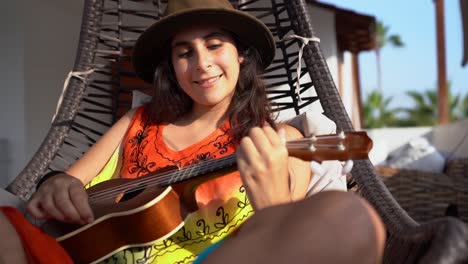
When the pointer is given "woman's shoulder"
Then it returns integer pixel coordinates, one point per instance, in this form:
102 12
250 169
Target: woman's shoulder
136 113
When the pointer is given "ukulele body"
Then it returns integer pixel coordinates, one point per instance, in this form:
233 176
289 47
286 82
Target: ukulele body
136 215
124 219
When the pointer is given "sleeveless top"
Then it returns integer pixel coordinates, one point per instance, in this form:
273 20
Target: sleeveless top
223 203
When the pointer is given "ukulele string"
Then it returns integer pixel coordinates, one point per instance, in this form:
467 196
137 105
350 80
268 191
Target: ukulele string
162 178
166 177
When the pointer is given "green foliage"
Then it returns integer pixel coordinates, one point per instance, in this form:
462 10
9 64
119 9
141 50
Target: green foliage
461 111
383 38
376 111
424 111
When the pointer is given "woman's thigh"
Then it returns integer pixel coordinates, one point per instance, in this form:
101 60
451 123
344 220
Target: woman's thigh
329 227
11 249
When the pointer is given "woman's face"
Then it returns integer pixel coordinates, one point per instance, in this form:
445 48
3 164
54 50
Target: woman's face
206 64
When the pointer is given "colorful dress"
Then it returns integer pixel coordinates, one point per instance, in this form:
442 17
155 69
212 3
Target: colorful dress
223 203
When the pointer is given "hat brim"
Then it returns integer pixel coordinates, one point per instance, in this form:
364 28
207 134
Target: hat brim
148 50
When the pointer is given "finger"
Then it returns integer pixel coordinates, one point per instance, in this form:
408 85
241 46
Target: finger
79 198
282 135
64 204
33 208
48 205
274 137
261 141
248 151
248 161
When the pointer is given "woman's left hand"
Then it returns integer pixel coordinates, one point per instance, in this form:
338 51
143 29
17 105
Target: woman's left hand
262 159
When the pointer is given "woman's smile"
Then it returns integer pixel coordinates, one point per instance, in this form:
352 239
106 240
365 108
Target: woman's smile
206 65
208 82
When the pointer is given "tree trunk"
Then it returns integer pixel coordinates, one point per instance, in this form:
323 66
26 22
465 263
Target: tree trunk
379 71
441 63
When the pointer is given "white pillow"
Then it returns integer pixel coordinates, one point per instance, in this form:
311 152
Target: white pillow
418 154
312 123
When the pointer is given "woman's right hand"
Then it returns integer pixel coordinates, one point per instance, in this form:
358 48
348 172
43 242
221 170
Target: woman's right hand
63 198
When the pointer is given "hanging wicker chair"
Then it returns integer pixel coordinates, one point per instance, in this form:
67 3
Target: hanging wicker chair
92 103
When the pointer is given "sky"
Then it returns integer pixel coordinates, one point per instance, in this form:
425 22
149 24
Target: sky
413 67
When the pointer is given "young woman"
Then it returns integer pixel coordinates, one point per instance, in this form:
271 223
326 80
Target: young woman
204 59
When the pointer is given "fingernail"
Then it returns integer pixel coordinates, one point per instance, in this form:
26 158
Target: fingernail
316 168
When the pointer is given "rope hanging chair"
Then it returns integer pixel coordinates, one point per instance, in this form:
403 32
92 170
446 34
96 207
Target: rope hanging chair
100 91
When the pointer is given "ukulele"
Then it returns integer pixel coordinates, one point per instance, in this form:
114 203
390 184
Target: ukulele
159 202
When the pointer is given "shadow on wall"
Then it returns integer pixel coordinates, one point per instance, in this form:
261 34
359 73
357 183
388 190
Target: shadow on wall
5 161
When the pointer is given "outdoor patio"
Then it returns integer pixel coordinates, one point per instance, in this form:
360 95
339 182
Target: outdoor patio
425 168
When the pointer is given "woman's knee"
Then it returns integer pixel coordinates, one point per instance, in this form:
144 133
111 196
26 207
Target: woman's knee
360 223
11 249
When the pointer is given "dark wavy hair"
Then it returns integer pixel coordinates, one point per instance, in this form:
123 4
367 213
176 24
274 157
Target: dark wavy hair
249 106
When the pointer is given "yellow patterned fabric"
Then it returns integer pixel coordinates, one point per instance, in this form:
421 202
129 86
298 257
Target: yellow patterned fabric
108 171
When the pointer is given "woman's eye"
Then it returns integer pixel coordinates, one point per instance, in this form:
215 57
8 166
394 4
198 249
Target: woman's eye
214 46
184 54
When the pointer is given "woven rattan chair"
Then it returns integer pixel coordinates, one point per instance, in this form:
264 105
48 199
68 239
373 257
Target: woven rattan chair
429 195
90 105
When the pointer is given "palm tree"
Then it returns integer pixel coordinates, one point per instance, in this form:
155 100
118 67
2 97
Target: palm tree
426 111
382 39
463 108
376 111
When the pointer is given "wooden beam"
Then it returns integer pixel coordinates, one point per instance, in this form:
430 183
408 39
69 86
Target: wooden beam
441 63
357 113
340 73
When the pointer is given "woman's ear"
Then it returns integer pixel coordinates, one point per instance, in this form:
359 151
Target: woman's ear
241 59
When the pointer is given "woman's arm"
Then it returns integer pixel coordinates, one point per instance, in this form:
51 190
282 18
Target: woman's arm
63 197
269 175
299 170
92 162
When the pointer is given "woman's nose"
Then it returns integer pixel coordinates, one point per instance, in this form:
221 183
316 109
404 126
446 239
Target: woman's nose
203 60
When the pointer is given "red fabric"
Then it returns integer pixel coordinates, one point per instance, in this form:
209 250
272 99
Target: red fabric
145 151
40 248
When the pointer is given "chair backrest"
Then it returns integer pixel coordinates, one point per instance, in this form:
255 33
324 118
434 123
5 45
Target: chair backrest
91 104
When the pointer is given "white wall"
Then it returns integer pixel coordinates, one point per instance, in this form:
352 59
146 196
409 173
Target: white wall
38 52
323 21
12 112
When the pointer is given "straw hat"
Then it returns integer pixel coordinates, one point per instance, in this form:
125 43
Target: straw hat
148 52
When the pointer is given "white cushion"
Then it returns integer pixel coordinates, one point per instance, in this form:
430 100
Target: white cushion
418 154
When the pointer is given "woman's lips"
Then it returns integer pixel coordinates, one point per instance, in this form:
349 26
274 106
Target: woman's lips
209 82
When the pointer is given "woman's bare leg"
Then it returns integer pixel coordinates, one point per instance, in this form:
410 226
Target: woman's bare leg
11 248
329 227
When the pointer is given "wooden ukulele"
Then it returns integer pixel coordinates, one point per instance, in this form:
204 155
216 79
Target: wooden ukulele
159 202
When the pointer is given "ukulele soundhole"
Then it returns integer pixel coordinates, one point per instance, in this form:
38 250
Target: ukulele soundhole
130 193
